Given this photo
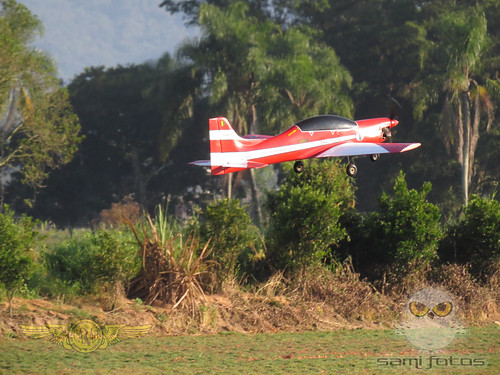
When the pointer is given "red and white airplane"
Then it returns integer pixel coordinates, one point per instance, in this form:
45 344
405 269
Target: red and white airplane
315 137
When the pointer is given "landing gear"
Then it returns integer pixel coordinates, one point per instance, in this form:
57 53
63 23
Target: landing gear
298 167
374 157
352 170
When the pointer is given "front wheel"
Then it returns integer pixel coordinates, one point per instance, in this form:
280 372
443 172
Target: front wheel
298 167
374 157
352 170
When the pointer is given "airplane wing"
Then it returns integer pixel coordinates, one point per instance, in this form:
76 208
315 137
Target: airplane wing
362 148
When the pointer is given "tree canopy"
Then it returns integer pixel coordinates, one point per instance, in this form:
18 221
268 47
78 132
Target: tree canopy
38 128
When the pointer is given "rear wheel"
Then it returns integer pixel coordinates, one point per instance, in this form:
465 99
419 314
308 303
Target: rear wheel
352 170
298 167
374 157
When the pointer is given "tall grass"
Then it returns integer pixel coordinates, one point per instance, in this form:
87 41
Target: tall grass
174 270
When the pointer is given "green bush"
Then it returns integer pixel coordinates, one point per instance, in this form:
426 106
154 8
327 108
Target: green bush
231 233
306 215
17 238
72 262
475 237
405 230
88 259
116 260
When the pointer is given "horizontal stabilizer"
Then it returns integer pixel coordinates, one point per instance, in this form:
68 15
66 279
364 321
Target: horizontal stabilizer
233 164
203 163
362 148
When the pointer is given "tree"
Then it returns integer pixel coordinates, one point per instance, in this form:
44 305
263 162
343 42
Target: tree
300 77
16 241
226 56
400 48
133 118
261 73
306 215
377 41
261 9
456 76
38 129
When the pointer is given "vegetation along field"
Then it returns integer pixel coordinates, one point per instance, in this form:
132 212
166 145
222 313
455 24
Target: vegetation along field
104 227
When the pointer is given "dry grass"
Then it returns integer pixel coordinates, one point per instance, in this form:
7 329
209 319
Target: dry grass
319 299
173 285
351 298
478 302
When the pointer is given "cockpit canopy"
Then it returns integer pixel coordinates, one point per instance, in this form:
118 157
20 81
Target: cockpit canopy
326 122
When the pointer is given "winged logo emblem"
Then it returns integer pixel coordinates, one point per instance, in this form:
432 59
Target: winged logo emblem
85 335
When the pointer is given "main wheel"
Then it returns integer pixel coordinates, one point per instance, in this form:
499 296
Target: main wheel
374 157
298 167
352 170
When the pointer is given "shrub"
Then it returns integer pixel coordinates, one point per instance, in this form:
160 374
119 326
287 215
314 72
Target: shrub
405 230
305 223
116 258
17 237
126 210
90 259
477 301
231 233
475 237
352 297
72 262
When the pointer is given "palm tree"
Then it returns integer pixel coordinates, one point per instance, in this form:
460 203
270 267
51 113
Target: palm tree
457 47
301 78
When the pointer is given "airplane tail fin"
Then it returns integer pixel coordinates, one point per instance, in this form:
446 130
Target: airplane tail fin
223 138
224 147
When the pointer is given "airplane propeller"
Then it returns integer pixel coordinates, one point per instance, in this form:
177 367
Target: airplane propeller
395 109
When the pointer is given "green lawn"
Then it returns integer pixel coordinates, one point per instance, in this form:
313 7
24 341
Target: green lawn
340 352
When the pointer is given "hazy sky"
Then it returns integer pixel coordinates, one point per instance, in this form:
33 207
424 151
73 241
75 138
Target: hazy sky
83 33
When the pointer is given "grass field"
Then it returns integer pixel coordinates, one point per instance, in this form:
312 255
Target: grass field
340 352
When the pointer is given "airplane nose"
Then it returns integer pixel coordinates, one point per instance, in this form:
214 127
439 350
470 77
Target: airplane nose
394 122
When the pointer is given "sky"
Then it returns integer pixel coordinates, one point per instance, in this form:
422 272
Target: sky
83 33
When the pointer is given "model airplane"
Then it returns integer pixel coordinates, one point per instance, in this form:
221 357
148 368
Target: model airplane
315 137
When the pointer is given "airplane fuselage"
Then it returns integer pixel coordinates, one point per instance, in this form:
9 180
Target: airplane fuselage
314 137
